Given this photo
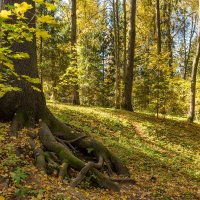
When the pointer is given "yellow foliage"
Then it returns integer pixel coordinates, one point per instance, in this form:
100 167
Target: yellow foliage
46 19
11 66
43 34
20 9
36 89
39 1
5 14
50 6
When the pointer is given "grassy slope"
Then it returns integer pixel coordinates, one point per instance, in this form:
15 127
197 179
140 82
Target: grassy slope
163 156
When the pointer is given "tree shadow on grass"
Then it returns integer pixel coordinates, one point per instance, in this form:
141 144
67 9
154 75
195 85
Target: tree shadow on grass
162 147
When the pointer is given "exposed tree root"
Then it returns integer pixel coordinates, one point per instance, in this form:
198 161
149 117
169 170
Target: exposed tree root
52 166
76 139
59 141
64 142
17 123
123 180
65 132
85 170
66 156
63 170
39 155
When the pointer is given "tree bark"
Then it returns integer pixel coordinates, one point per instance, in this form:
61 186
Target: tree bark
194 76
124 39
158 27
192 31
75 95
169 36
158 53
117 53
185 46
27 101
127 96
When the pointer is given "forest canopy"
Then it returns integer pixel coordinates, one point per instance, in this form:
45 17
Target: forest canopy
164 50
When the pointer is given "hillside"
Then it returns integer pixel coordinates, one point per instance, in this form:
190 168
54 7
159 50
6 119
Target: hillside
163 156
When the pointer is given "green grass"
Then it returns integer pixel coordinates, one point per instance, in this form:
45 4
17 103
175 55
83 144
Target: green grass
162 154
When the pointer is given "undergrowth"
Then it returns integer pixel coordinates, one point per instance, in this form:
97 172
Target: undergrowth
163 156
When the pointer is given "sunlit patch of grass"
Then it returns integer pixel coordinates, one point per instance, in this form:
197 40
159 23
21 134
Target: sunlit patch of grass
167 149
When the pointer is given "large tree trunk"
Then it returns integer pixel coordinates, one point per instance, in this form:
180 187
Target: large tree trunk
194 76
27 101
127 96
27 107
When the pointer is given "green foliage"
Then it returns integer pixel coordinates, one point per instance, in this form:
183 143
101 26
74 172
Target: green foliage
62 197
19 32
18 175
23 191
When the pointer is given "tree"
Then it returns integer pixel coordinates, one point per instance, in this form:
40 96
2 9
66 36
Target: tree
92 51
194 76
158 52
27 107
1 5
75 99
117 52
124 39
128 85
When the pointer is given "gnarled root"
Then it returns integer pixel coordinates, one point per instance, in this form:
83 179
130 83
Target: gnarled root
85 170
63 170
39 155
59 141
67 157
64 132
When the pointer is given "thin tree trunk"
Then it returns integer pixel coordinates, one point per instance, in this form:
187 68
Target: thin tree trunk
185 46
41 61
124 37
1 8
158 52
194 75
116 49
192 31
158 27
169 37
1 4
127 96
75 95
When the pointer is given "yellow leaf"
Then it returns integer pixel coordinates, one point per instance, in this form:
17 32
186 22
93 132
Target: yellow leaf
39 1
21 8
48 187
9 65
43 34
2 198
50 6
5 14
46 19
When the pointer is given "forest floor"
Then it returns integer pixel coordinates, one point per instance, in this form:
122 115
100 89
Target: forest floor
163 156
